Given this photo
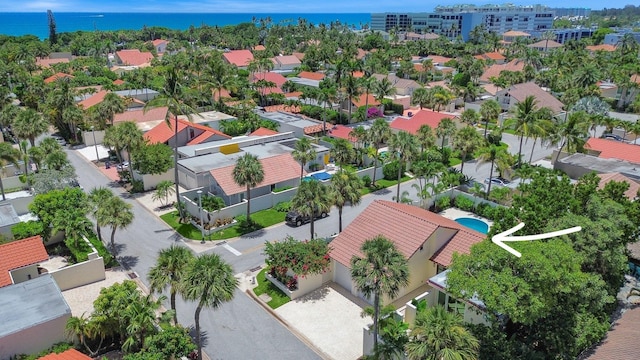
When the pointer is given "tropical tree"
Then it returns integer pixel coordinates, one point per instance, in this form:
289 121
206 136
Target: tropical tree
97 199
303 152
446 127
248 172
29 124
379 133
404 148
164 189
312 198
126 136
489 111
8 155
469 117
425 137
526 118
382 271
208 280
441 335
422 97
111 105
492 154
169 270
382 89
342 151
359 134
117 214
467 140
572 133
345 189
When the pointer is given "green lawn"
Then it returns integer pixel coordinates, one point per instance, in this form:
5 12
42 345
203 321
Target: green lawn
384 183
263 218
278 298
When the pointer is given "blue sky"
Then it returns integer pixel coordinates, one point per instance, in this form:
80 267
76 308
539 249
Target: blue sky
258 6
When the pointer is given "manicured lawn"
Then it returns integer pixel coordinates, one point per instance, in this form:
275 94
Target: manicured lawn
263 218
278 298
384 183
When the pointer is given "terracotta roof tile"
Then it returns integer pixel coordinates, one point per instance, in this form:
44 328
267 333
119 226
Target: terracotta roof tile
299 55
311 75
95 99
71 354
634 187
140 116
611 149
118 82
262 131
48 62
357 74
295 94
294 109
407 226
342 132
157 42
162 132
315 129
287 60
57 76
437 59
17 254
422 117
544 43
495 69
494 56
601 47
239 58
544 99
362 100
515 33
621 342
276 169
134 57
273 77
259 48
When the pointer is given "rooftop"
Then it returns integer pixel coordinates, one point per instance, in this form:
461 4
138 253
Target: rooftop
31 302
544 99
287 118
134 57
622 340
611 149
20 253
71 354
602 165
422 117
634 187
239 58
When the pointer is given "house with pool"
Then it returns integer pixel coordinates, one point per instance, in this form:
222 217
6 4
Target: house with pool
428 241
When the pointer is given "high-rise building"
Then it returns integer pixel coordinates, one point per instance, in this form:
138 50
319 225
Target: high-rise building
459 20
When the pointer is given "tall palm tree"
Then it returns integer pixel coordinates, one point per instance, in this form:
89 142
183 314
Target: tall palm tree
327 96
379 133
492 153
29 124
342 151
352 89
383 271
169 270
303 152
467 140
111 105
526 117
97 199
248 172
489 111
208 280
8 155
425 137
173 96
382 89
404 147
446 127
116 214
359 134
312 198
441 335
422 97
572 133
345 189
131 139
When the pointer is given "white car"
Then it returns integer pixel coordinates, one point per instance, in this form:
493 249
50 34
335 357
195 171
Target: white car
123 166
60 140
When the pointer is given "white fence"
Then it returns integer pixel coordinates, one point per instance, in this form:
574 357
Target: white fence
80 274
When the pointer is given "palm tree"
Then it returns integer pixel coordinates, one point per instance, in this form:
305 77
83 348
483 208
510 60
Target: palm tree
572 133
164 189
98 197
383 271
404 147
441 335
379 133
312 198
469 117
466 140
169 270
173 96
489 111
208 280
425 137
352 89
342 151
111 105
345 188
8 155
129 138
526 117
117 214
303 152
359 134
446 127
248 172
29 124
421 97
382 89
492 153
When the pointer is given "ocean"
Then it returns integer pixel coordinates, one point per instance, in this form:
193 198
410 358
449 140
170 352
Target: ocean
18 24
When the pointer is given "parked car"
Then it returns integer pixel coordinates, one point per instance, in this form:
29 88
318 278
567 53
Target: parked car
60 140
294 218
123 166
612 137
497 181
470 185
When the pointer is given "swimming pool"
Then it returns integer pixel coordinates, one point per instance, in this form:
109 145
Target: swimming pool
322 176
474 224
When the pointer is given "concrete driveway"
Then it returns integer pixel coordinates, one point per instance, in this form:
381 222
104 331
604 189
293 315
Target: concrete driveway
330 319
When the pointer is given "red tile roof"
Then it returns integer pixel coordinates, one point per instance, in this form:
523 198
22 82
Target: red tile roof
311 75
117 82
495 69
134 57
362 100
542 44
422 117
239 58
140 116
361 54
95 99
299 55
276 169
437 59
262 131
71 354
357 74
49 62
634 187
273 77
601 47
295 94
259 48
493 56
315 129
17 254
515 33
287 60
57 76
162 132
611 149
157 42
621 342
544 99
342 132
294 109
407 226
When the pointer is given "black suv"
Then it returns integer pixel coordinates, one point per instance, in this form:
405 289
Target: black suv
294 218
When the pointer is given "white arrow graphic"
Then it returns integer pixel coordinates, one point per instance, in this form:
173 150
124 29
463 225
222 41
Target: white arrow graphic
500 239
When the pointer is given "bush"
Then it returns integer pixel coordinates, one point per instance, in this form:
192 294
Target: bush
137 186
366 180
485 210
464 203
27 229
390 170
443 203
212 203
281 189
283 206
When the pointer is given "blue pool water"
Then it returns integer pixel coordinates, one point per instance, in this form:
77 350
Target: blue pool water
321 176
474 224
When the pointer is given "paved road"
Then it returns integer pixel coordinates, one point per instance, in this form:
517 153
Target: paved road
241 329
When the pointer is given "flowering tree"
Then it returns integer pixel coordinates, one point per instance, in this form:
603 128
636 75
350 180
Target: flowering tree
303 258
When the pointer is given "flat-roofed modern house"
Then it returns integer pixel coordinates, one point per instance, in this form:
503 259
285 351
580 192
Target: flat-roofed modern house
34 315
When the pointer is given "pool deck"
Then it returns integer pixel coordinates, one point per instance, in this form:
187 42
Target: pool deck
453 213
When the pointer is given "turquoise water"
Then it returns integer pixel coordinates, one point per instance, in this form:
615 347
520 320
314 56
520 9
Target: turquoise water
474 224
17 24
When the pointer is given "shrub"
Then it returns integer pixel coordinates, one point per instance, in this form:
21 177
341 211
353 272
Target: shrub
283 206
212 203
302 257
464 203
281 189
27 229
390 170
137 186
485 210
366 180
443 203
